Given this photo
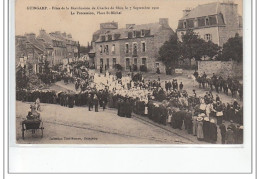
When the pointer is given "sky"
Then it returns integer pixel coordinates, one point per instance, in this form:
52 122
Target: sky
81 27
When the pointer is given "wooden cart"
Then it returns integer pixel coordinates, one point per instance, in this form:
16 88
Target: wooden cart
32 125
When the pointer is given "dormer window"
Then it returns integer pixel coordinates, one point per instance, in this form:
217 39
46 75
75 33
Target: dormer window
134 34
207 21
116 36
142 33
109 37
195 22
130 35
103 38
184 24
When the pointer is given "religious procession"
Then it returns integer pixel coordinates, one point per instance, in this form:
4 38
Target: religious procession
166 103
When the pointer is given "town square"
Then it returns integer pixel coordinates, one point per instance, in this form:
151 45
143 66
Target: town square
134 83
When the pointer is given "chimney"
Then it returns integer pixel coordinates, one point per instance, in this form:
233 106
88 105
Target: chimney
42 31
164 22
186 12
129 26
64 34
109 25
69 36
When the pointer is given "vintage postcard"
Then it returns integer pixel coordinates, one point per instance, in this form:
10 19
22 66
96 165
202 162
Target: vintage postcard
129 72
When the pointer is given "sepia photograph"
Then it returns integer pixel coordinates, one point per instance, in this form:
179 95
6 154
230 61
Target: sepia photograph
96 72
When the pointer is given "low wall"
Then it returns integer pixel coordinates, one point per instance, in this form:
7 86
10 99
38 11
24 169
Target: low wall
223 68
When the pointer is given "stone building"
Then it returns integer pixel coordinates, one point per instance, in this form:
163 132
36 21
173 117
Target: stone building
64 47
53 47
134 45
29 50
216 21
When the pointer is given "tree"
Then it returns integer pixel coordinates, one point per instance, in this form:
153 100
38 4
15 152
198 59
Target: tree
169 53
193 46
233 49
46 67
21 78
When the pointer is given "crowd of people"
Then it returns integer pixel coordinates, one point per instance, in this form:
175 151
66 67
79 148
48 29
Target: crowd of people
201 116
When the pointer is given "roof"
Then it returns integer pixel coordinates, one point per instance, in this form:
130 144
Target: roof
36 43
203 10
153 27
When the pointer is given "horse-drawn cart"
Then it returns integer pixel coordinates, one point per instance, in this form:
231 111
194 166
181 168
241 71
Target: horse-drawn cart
32 125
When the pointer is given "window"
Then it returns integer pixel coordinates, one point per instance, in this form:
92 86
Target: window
107 63
135 48
144 61
109 37
101 62
100 49
114 62
130 35
126 48
207 21
135 61
143 47
106 49
195 22
157 64
127 63
142 33
116 36
134 34
208 37
113 49
184 24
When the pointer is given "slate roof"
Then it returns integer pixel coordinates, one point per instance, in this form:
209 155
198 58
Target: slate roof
36 43
153 27
203 10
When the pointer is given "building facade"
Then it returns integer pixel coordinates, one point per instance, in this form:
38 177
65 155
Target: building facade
29 50
53 47
131 47
217 21
64 47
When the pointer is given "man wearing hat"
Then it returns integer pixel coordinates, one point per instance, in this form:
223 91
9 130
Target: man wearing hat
90 101
95 101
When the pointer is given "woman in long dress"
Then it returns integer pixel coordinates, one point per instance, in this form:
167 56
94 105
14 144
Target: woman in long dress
195 125
200 135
